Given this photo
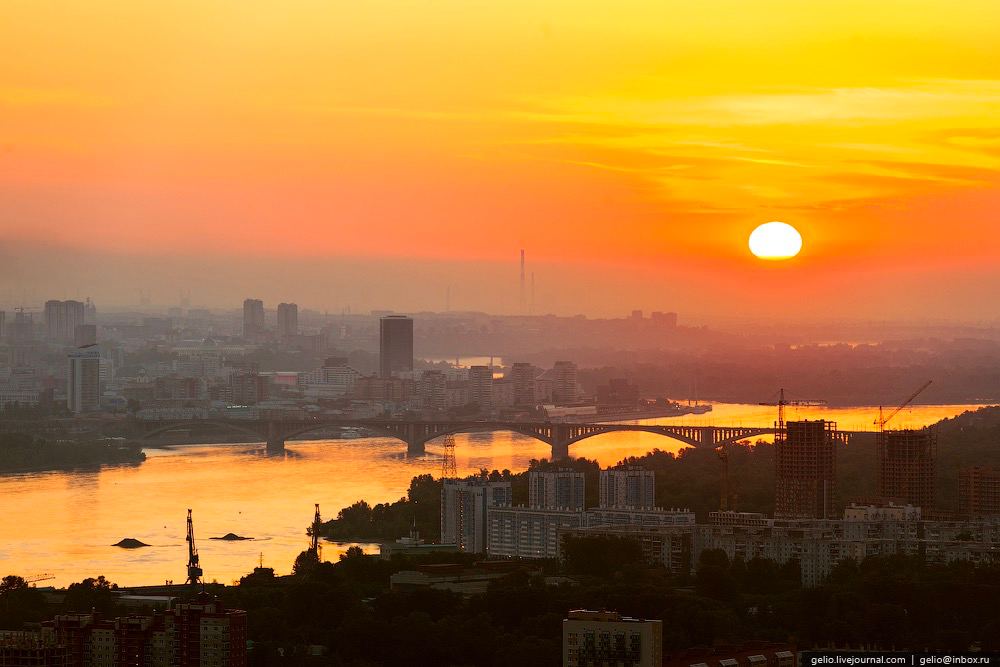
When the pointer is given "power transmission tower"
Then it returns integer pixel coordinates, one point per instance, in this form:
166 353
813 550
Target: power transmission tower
449 470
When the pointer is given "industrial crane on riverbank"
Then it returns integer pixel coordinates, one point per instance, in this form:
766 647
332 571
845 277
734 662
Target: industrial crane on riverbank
194 567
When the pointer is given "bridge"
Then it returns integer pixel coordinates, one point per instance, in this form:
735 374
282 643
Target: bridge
417 433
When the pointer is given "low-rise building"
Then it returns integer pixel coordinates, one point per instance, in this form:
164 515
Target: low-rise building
608 638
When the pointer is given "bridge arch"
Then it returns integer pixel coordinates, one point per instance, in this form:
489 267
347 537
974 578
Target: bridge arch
492 428
620 428
225 424
382 432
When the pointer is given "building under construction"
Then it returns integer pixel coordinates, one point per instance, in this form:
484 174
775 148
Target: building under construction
906 460
805 469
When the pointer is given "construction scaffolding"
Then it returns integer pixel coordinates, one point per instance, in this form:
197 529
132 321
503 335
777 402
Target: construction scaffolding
805 469
906 461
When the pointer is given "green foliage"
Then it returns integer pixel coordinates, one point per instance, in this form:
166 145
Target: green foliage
19 451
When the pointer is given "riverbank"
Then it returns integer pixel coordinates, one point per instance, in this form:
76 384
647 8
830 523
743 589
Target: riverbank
21 453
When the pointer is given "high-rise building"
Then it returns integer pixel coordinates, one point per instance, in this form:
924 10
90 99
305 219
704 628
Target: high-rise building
288 320
805 467
464 503
395 345
433 390
85 334
523 376
481 387
979 491
202 632
253 318
628 487
558 489
22 329
608 638
906 466
565 388
3 325
248 388
83 381
61 319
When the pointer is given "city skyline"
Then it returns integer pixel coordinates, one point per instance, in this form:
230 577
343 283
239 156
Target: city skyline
417 152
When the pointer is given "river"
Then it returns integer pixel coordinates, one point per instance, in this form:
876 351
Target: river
63 523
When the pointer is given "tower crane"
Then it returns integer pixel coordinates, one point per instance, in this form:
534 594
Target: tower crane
35 578
194 568
782 402
883 420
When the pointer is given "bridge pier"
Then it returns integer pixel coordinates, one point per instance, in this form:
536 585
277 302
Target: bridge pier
560 450
415 448
275 438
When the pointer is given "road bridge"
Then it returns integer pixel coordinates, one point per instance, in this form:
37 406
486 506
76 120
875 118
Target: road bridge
417 433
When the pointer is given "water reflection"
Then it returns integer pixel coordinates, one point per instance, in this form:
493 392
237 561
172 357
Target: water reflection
63 523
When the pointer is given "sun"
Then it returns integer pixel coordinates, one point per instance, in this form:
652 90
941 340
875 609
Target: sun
775 240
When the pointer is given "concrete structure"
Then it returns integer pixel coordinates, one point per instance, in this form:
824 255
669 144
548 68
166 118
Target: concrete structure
288 321
395 345
464 506
523 376
83 380
198 633
608 638
979 491
906 466
61 318
85 334
416 433
481 387
253 318
557 489
526 532
805 462
565 389
628 487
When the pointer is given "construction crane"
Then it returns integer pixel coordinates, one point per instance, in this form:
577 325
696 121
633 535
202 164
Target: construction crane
313 532
194 568
45 576
782 402
883 420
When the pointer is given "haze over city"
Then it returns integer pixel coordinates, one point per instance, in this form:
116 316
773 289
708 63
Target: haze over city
367 157
654 333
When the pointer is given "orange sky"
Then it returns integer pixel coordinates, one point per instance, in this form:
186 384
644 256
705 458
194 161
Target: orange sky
630 147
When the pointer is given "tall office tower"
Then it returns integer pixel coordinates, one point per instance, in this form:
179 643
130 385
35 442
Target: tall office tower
83 381
85 334
463 511
979 491
805 470
288 320
565 390
628 487
523 377
253 318
906 466
89 312
556 490
481 387
395 345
